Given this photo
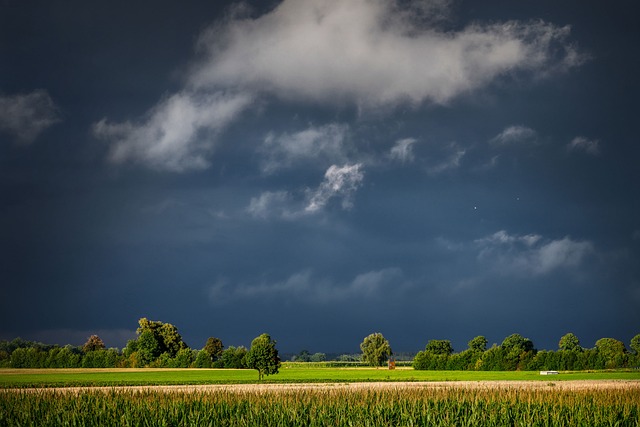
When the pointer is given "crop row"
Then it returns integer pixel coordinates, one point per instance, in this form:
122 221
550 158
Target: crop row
321 407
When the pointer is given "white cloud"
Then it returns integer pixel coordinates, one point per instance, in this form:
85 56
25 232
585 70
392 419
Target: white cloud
580 143
304 286
532 255
26 116
316 143
338 182
176 135
270 204
402 150
373 53
514 135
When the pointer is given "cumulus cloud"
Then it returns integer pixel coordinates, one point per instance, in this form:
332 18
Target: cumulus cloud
338 182
304 286
316 143
514 135
589 146
26 116
402 150
176 135
532 254
373 53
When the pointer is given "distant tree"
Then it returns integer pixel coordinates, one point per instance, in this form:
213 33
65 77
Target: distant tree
516 342
569 342
318 357
303 356
439 347
213 348
93 343
167 336
612 352
233 358
479 343
263 356
202 360
635 344
375 349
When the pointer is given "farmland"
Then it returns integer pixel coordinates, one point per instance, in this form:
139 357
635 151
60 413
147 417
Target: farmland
314 396
289 373
394 404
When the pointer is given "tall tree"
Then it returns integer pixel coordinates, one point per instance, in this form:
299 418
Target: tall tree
375 349
569 342
165 334
263 356
479 343
93 343
213 348
439 347
635 344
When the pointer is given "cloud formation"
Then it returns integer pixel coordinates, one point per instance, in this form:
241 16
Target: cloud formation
338 182
532 255
373 53
304 286
26 116
271 203
589 146
402 150
317 144
514 135
176 135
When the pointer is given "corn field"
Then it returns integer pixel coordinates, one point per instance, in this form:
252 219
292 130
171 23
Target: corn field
446 406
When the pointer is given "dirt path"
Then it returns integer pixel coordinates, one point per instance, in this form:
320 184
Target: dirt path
274 388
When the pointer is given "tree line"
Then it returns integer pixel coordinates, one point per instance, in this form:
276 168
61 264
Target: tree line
157 345
518 353
160 345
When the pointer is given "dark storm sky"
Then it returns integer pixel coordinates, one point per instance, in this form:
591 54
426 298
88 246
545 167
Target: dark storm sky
320 170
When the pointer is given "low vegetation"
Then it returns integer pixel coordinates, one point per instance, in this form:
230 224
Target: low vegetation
326 406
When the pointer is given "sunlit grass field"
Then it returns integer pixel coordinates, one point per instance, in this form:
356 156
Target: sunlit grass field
289 373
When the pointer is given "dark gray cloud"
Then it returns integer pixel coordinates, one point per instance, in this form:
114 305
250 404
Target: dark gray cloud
428 170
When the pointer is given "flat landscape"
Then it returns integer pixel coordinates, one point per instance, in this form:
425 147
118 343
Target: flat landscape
289 374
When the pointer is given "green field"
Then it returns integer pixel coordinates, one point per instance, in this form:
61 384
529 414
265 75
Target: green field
289 373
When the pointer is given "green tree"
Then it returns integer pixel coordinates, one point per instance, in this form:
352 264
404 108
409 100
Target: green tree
635 344
375 349
612 352
233 358
516 342
93 343
213 348
569 342
318 357
167 336
439 347
479 343
263 356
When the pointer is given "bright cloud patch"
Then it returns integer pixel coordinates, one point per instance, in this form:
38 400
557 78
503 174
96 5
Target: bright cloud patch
26 116
338 182
314 144
176 135
373 53
532 254
589 146
514 135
